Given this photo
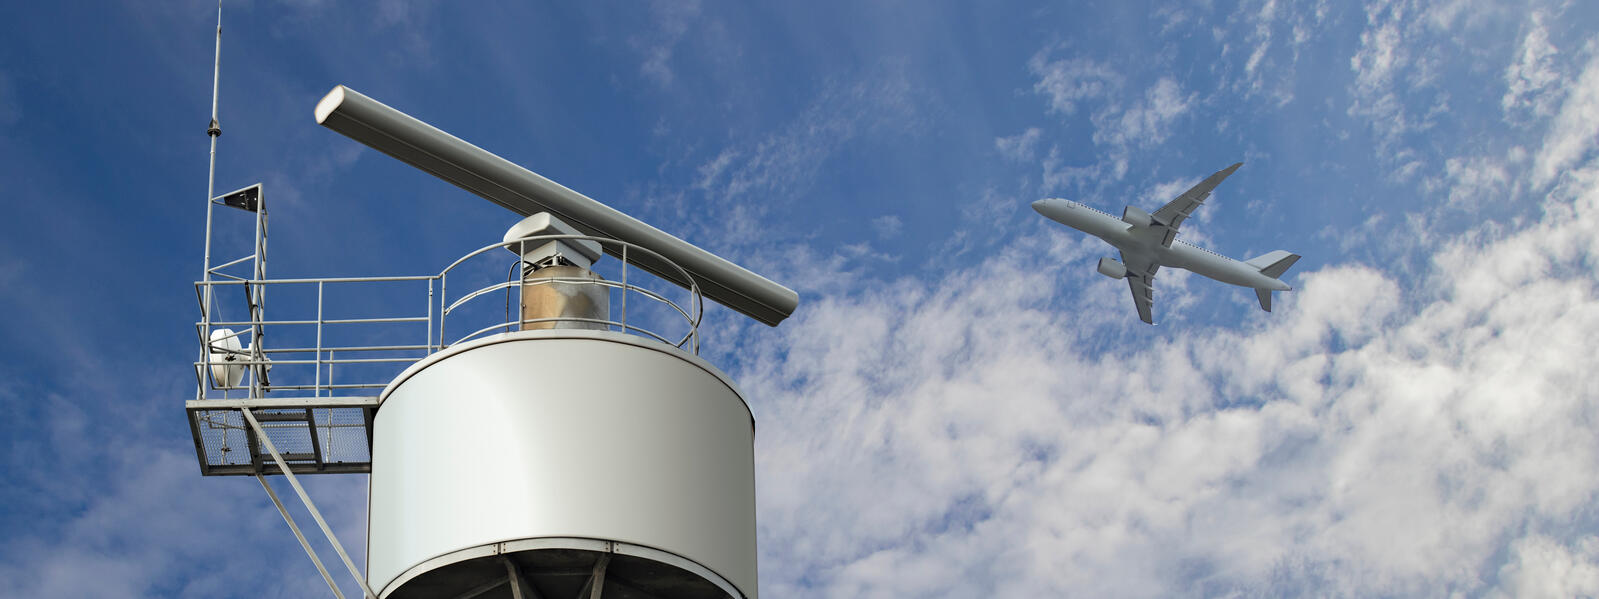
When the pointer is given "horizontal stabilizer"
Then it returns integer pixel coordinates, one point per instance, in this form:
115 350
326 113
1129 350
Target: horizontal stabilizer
1265 298
1273 264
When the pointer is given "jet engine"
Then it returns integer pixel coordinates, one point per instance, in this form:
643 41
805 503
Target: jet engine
1136 217
1112 268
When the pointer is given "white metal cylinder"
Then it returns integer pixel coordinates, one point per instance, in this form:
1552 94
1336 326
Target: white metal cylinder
548 438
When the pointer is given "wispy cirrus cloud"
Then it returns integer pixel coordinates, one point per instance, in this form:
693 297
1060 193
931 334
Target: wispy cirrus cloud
1021 147
671 21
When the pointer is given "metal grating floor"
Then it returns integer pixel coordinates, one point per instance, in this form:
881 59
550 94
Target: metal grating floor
314 436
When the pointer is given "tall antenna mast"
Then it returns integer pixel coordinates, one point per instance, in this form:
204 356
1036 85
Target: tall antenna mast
214 131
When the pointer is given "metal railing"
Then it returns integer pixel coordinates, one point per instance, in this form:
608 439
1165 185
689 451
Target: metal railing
305 349
691 316
310 349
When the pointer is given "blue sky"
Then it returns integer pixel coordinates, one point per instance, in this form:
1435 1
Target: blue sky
961 405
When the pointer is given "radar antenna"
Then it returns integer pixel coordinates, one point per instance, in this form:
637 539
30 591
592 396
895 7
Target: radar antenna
570 449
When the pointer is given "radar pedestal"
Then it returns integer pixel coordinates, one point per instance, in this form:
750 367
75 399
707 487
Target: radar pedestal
558 289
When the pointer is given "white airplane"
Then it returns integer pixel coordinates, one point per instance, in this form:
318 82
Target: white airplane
1149 241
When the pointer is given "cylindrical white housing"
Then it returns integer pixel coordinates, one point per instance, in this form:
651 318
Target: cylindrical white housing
559 441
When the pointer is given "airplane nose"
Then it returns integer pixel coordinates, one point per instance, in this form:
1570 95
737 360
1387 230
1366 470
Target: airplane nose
1039 205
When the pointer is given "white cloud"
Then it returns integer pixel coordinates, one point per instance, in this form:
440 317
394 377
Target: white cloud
1269 70
1407 52
711 171
154 530
1020 147
1069 81
1532 73
1380 56
1380 52
672 20
887 226
1572 132
1120 125
1374 436
1058 175
743 181
1472 181
1545 567
1146 123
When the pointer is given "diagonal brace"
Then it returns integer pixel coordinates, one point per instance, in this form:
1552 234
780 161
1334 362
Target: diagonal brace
596 582
306 499
303 544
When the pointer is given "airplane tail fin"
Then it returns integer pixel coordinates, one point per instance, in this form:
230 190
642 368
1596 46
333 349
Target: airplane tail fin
1273 264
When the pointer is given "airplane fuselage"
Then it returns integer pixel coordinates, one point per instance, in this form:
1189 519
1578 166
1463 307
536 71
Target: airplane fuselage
1128 239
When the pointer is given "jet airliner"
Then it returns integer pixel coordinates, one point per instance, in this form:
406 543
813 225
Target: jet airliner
1149 241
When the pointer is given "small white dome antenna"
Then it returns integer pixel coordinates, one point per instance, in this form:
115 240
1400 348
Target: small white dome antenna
229 360
226 354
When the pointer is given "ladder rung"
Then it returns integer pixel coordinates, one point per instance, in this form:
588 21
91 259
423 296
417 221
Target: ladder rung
266 458
298 416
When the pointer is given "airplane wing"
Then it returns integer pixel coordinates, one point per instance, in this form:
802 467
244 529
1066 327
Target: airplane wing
1141 280
1172 215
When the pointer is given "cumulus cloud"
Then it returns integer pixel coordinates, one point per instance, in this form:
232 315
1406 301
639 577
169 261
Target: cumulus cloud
1008 429
1545 567
1369 438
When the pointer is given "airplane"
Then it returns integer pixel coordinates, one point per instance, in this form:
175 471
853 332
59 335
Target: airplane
1149 241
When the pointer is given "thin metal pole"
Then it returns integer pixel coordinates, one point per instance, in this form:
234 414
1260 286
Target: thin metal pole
430 318
213 131
444 311
303 543
258 292
624 289
317 382
306 499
